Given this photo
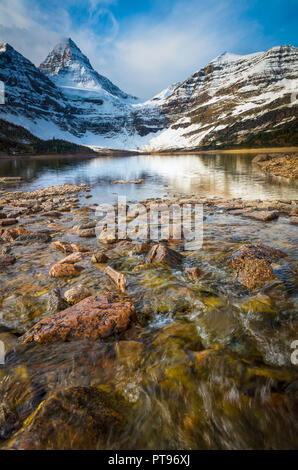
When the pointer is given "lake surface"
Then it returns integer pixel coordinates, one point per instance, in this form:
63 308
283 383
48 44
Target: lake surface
227 176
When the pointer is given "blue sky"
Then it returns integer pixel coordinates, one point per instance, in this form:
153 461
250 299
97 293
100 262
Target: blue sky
144 46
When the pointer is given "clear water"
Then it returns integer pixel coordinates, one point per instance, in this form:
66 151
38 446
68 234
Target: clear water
227 176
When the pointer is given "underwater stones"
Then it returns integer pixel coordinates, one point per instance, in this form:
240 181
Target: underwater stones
99 257
118 278
65 270
63 246
6 260
193 273
140 248
76 294
79 248
81 418
86 233
55 301
129 353
162 254
96 317
42 237
253 264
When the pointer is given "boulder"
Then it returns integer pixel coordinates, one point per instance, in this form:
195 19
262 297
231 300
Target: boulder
264 216
253 264
96 317
76 294
65 270
118 278
99 257
76 418
162 254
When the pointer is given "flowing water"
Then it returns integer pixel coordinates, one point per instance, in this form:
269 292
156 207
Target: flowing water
209 366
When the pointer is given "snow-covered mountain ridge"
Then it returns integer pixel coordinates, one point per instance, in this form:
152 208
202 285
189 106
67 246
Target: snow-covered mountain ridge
223 103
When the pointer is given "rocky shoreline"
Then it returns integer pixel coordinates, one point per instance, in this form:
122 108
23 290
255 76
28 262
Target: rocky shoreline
64 287
278 165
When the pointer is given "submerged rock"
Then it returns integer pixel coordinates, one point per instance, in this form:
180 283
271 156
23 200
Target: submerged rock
82 418
99 257
193 272
253 264
6 260
118 278
94 318
76 294
56 303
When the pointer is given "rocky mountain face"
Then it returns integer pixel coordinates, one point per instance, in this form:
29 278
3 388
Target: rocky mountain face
225 103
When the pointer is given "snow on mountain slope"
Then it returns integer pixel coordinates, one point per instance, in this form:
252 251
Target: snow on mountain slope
67 66
228 100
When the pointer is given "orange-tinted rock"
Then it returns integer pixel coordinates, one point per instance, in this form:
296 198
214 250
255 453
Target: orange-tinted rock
11 234
65 270
6 222
162 254
93 318
78 248
252 264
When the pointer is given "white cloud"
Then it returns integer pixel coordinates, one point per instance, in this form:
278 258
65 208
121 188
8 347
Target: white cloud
142 55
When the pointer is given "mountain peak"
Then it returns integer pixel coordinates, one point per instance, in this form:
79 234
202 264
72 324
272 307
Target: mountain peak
68 67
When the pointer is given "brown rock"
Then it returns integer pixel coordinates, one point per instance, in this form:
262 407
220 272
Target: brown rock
264 216
118 278
76 294
86 233
6 222
79 248
63 246
11 234
76 418
65 270
141 248
6 260
162 254
2 215
99 257
93 318
252 264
